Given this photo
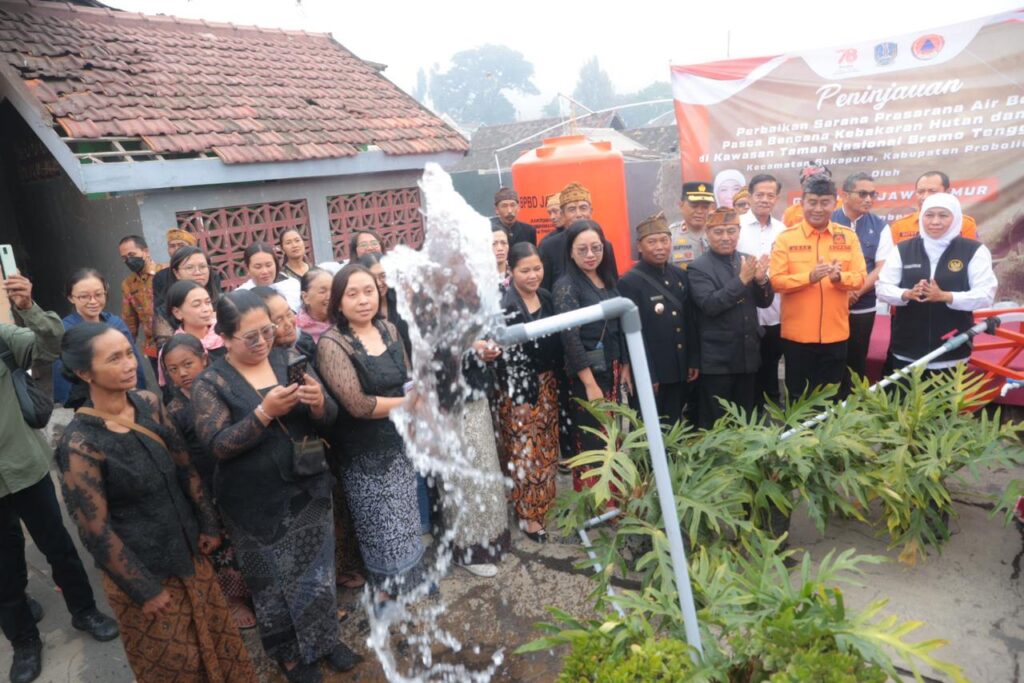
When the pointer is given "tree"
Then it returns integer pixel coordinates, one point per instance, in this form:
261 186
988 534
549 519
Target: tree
553 108
594 88
420 92
635 117
471 91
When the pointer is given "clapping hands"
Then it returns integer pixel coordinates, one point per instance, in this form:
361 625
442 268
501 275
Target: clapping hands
833 271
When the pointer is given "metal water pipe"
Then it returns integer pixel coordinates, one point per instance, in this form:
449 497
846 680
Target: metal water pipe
627 312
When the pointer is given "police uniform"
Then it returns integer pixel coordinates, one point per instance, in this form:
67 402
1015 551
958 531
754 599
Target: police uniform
663 296
687 246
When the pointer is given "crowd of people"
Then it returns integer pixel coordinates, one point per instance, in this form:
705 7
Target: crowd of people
263 472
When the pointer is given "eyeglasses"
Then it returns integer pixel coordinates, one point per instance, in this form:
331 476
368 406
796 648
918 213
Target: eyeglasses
82 298
595 249
864 194
193 269
266 333
367 244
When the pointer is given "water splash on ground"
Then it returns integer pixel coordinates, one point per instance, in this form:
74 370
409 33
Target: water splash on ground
448 293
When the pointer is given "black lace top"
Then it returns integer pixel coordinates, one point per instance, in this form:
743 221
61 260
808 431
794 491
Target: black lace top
575 290
254 481
520 366
179 409
139 506
356 379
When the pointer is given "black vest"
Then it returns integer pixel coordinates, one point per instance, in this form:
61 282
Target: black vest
919 327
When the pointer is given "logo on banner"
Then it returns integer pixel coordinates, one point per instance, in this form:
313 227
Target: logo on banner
885 53
847 56
927 46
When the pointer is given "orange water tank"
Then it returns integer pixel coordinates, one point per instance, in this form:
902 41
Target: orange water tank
595 165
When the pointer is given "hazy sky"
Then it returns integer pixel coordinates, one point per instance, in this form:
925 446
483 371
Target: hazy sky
634 41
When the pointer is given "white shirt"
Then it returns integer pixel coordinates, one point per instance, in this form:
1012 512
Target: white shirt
885 245
757 240
289 288
981 293
331 267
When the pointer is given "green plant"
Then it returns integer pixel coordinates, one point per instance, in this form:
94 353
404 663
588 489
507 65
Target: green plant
711 498
758 624
1009 503
928 431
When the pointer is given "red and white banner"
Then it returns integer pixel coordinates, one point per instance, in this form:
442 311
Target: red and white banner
948 99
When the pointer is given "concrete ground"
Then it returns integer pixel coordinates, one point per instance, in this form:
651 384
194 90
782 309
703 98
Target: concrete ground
972 595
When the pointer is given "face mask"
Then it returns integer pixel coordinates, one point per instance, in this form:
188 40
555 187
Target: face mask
135 263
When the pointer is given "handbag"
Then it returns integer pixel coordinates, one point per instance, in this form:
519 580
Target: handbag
596 360
36 405
117 419
309 456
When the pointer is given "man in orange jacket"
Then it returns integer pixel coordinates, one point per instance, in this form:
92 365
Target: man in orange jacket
932 182
814 266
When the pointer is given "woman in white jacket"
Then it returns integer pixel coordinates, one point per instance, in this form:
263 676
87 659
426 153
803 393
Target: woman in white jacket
934 282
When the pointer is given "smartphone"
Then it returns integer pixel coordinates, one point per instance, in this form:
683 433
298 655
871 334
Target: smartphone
7 263
297 370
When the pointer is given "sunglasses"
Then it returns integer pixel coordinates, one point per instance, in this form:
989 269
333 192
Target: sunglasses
266 333
864 194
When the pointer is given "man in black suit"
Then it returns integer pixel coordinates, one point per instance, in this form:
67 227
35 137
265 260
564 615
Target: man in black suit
506 208
662 293
727 289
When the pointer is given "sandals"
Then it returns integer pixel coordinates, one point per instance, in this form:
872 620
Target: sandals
350 580
242 615
304 673
539 536
343 659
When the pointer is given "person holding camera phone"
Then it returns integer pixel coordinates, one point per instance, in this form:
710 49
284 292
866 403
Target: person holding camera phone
27 495
273 486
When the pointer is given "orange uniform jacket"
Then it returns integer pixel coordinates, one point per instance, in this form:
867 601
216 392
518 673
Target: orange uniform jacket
816 313
794 213
908 227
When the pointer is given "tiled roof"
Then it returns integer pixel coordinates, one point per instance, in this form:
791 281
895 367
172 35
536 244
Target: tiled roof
187 87
487 139
661 139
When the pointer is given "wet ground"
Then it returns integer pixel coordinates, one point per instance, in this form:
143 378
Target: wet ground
972 595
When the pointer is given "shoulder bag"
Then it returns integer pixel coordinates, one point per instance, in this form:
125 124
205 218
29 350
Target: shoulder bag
36 405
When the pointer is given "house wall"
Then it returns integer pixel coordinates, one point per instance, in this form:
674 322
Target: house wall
54 228
158 209
65 230
478 189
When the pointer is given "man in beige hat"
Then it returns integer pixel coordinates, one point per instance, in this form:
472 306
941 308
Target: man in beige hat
662 293
574 204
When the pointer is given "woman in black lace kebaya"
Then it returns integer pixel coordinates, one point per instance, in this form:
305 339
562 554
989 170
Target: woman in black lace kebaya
276 506
595 353
142 513
364 367
182 359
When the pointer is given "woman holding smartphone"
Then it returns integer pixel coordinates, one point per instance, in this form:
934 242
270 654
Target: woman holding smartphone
273 488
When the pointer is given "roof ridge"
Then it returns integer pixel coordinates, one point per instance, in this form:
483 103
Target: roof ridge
158 18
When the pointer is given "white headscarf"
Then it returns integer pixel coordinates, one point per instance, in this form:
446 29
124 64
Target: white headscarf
935 246
728 174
